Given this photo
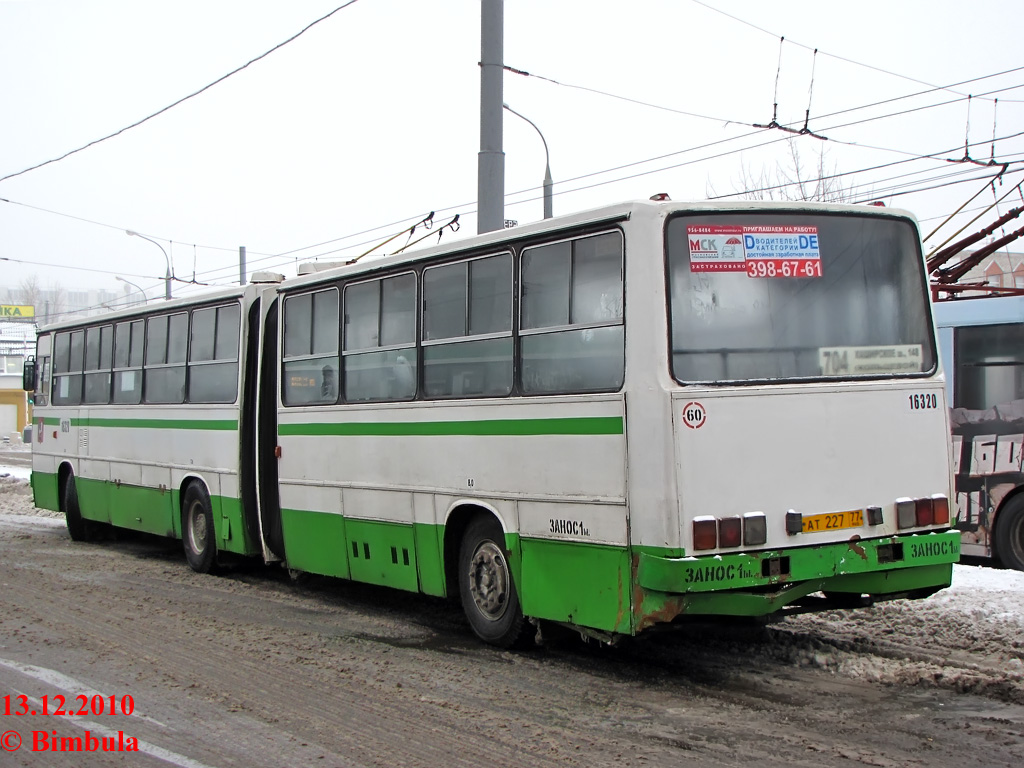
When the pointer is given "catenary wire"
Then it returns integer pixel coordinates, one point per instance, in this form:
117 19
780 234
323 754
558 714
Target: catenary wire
541 77
181 100
277 257
824 53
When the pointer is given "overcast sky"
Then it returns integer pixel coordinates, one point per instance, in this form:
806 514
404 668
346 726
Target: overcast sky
370 119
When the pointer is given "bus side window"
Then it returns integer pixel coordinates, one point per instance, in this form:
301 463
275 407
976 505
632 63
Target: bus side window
572 337
990 365
128 346
68 349
380 339
213 355
99 343
164 369
467 328
310 365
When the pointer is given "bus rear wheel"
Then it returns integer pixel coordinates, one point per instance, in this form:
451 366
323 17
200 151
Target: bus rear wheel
1009 534
79 528
197 531
489 597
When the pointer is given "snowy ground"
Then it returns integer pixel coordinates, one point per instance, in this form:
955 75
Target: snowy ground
968 638
19 473
1002 590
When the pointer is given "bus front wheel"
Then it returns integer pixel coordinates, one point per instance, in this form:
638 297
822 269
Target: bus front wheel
1009 534
197 531
488 594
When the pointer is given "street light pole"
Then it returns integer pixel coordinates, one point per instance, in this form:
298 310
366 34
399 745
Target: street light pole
167 279
547 163
145 299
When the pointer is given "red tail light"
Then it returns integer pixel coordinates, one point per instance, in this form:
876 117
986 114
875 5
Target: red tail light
705 533
730 531
940 509
923 511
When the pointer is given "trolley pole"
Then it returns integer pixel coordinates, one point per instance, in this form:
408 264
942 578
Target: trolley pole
490 198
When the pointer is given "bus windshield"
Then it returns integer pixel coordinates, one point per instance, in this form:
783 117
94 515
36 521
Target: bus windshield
758 296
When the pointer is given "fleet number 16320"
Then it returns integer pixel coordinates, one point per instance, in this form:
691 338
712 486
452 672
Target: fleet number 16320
923 401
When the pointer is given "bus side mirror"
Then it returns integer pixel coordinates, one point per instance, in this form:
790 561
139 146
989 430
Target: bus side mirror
28 375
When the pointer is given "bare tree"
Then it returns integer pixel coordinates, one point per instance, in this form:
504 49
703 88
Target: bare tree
29 292
793 180
50 303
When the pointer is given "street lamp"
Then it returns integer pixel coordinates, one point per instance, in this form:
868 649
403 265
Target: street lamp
167 279
145 299
547 163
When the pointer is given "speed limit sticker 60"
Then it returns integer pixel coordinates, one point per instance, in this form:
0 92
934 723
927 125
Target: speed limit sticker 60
694 415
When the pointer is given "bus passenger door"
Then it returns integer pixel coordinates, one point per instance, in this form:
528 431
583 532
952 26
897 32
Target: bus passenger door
268 496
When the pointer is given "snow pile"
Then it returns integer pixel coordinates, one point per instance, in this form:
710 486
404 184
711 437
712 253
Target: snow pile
19 473
16 494
984 594
968 638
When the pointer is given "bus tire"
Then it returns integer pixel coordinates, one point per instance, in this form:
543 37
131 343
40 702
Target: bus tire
489 597
197 531
1009 534
79 528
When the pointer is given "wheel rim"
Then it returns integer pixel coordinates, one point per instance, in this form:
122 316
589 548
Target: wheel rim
197 528
489 580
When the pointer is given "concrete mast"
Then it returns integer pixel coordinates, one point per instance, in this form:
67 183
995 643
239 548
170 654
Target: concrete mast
490 198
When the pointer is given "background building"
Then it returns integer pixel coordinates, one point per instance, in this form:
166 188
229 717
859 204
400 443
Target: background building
1003 270
17 340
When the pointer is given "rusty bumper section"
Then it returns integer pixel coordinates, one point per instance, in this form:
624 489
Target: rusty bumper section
763 583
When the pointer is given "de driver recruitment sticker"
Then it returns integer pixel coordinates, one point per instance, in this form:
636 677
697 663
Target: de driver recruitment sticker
759 251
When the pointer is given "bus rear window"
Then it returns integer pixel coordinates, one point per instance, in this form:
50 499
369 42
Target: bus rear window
761 296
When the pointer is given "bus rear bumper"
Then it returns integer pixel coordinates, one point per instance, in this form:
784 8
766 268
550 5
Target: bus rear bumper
763 583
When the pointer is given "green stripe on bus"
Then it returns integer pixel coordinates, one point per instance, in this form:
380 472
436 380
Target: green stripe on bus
203 424
597 425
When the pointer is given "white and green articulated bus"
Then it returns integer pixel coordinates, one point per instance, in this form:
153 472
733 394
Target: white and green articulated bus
614 420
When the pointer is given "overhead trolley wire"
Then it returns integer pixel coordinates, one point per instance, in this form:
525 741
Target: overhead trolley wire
524 73
80 269
724 120
111 226
184 98
671 167
264 257
894 190
276 259
953 174
563 84
727 121
269 257
825 53
842 174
